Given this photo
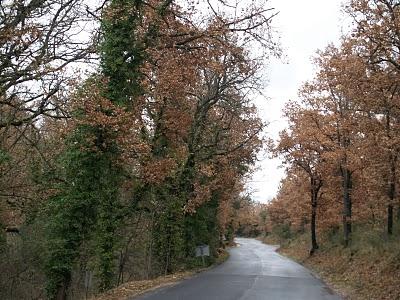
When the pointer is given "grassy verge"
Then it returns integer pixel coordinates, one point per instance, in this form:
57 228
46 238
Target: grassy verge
132 289
368 269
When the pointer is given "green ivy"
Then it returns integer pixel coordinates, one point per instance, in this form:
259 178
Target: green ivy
4 156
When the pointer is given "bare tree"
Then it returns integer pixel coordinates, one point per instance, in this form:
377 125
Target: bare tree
40 41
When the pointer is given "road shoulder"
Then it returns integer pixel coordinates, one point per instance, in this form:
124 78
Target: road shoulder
133 289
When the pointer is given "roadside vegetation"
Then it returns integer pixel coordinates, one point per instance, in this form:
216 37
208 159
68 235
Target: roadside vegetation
135 288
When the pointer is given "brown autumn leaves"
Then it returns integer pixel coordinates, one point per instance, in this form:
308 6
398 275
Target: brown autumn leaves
342 144
196 82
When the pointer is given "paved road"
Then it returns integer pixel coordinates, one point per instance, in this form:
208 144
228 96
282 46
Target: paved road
254 271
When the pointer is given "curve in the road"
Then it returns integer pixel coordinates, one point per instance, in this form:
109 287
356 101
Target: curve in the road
254 271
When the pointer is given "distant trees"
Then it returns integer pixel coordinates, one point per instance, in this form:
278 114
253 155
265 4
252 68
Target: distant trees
351 114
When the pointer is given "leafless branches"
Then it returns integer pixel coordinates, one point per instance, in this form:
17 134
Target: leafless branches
40 41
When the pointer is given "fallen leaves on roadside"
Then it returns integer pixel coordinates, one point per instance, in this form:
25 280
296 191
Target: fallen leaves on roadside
134 288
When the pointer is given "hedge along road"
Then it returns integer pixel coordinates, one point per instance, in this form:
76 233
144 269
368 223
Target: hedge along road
254 271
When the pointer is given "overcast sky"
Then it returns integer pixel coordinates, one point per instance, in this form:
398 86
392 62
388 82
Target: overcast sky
304 26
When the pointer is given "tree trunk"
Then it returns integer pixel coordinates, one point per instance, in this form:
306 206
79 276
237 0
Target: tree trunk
62 291
398 211
149 258
347 186
390 219
391 194
314 244
315 186
167 269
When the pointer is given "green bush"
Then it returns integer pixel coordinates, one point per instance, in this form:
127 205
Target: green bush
283 231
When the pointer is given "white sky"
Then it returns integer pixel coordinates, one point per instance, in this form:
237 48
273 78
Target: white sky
304 26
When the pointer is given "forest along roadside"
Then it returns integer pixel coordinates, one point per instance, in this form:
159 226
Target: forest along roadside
136 288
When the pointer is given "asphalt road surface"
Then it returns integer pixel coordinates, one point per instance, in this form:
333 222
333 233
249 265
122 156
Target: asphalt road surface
254 271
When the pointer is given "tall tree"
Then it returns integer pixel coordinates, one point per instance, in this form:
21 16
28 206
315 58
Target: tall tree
302 146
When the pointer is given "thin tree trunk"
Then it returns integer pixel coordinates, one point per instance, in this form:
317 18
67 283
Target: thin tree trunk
391 194
62 291
167 262
314 244
150 249
315 187
347 186
390 219
121 268
398 212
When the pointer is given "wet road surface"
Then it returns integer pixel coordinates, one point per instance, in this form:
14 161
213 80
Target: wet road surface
254 271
